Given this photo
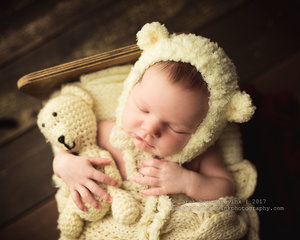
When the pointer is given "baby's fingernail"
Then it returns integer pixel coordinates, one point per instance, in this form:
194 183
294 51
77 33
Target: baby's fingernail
115 183
142 192
136 179
109 199
98 207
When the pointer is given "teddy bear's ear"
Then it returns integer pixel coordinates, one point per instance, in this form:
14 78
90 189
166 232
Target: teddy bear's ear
240 108
150 34
79 92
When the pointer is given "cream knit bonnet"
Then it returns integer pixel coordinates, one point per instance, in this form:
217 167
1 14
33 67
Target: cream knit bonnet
226 102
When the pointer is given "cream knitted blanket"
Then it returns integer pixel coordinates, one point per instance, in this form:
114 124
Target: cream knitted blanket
173 216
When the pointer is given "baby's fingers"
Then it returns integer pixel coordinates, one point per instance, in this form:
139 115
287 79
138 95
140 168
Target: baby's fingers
103 178
97 190
99 161
89 198
152 192
77 200
144 180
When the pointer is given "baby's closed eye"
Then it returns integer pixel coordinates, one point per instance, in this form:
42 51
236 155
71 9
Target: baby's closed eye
176 130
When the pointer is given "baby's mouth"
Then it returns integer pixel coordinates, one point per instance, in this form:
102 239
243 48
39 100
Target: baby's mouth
144 141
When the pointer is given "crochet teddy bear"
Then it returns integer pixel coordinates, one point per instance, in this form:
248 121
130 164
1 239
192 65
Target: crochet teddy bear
175 216
68 122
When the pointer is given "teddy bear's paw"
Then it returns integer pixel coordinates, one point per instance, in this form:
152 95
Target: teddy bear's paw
125 209
128 215
70 225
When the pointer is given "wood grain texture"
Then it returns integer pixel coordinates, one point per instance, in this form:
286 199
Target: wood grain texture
47 20
284 77
105 27
42 83
41 223
25 174
258 35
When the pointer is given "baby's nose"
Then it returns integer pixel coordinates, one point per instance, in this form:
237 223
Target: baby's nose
152 127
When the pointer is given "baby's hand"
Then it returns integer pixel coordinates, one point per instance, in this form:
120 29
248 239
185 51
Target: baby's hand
163 176
81 176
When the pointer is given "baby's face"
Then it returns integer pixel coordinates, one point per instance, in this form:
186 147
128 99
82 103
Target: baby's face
161 116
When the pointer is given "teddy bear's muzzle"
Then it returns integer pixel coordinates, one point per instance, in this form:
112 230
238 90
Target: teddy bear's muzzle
61 139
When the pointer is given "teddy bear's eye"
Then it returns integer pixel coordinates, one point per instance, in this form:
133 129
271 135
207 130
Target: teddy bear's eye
54 114
43 124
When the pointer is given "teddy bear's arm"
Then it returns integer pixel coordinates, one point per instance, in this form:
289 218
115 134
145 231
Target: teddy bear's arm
125 208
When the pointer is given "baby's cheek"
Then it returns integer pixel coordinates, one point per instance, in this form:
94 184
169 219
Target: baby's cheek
172 144
126 121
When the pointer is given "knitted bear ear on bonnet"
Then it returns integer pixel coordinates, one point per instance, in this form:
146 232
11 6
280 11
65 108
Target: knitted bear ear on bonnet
151 34
71 90
226 102
240 108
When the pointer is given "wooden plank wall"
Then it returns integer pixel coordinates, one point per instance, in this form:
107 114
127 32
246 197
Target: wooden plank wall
262 37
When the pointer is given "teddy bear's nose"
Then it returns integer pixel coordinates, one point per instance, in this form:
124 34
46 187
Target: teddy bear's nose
61 139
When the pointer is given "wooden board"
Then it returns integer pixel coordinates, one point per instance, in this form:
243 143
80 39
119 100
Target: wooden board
42 83
282 78
258 35
25 174
23 32
41 223
81 33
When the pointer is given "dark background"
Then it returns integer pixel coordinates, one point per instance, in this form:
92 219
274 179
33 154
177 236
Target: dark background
262 38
